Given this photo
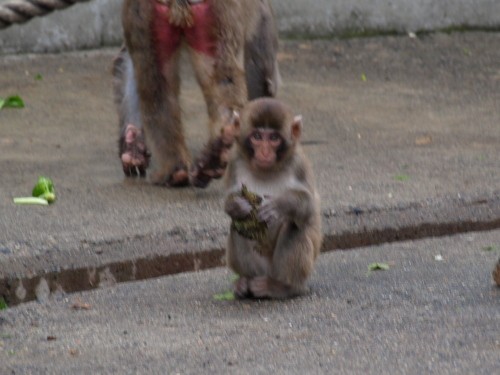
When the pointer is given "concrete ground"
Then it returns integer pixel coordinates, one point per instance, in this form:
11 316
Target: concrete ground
404 135
422 316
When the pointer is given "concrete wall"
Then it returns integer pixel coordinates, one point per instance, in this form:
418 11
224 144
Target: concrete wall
97 23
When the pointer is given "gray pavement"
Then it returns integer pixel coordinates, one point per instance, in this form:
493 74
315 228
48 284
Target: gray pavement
422 316
404 135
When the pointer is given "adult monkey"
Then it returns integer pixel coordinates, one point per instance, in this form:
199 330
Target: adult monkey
232 46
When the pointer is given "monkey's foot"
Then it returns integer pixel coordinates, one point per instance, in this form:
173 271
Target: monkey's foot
496 273
179 177
212 162
134 154
267 287
241 288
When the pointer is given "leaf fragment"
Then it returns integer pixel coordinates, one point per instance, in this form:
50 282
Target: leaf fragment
378 267
402 177
13 101
227 296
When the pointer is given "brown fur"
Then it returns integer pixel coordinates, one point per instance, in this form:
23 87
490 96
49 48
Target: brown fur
223 78
291 210
496 273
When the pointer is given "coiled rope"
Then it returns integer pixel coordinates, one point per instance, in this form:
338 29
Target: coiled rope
20 11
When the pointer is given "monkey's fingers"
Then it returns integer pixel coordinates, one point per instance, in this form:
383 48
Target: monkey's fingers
268 213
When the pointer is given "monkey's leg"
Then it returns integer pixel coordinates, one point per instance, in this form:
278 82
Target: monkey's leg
203 47
131 144
291 265
244 261
261 49
160 103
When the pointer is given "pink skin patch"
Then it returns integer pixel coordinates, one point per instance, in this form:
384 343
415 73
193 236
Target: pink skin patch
135 157
200 37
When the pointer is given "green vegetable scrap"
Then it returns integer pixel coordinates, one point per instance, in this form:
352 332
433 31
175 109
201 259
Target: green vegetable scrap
251 227
3 304
378 267
31 201
43 193
402 177
14 101
44 188
491 248
227 296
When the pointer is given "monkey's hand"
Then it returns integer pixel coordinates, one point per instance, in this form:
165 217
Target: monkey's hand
294 205
237 207
269 212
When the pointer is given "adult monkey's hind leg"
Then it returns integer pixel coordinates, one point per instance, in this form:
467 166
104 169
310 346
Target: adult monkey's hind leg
245 68
131 143
154 49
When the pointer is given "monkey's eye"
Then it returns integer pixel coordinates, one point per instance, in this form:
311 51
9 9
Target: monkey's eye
274 137
257 136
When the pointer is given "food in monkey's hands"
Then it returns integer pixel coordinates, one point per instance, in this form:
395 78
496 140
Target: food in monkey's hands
250 227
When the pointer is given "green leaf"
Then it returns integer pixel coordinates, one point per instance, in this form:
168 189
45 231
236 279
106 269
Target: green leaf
227 296
363 77
38 77
491 248
14 101
402 177
3 304
378 267
31 201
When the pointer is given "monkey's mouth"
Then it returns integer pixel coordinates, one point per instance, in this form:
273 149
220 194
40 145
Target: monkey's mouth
264 164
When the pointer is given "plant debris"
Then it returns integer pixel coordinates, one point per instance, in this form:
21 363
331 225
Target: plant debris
251 227
42 194
14 101
227 296
378 267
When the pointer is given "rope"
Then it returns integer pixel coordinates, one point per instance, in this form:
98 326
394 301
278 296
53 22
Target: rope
20 11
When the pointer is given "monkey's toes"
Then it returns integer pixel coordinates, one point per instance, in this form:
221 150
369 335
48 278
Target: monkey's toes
241 288
211 164
259 287
134 155
179 177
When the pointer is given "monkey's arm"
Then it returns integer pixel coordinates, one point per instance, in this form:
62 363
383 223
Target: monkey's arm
295 205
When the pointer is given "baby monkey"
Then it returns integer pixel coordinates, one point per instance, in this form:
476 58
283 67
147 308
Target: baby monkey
268 161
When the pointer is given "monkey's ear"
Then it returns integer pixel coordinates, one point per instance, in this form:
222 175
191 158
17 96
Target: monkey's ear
297 127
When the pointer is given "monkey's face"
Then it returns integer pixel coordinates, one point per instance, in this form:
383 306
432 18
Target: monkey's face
267 147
